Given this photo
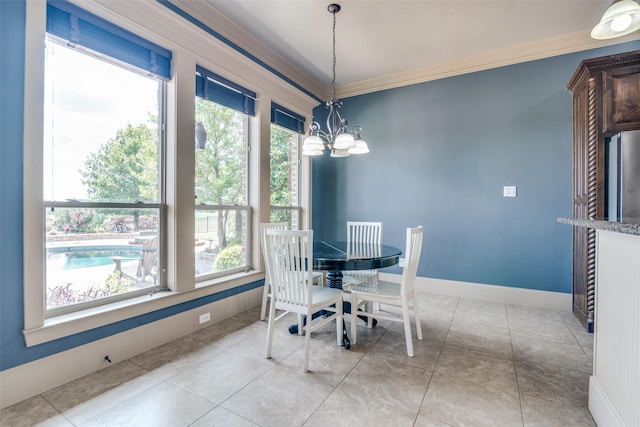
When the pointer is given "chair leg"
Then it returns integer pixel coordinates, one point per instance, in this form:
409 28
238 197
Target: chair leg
301 324
339 324
307 344
369 307
416 313
265 297
272 315
354 319
407 328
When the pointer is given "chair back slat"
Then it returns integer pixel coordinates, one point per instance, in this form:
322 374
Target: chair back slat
360 236
289 253
412 259
263 234
362 231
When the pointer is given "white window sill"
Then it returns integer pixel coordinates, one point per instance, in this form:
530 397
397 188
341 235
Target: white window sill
95 317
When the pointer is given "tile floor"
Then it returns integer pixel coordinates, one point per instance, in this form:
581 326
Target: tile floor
480 364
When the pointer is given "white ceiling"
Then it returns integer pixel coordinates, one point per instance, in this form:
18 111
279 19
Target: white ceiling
383 44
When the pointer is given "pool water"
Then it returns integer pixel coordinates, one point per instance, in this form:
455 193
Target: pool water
72 258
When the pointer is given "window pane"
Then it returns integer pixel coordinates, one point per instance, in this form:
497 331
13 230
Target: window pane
284 167
285 215
101 145
100 135
220 182
96 253
220 171
221 240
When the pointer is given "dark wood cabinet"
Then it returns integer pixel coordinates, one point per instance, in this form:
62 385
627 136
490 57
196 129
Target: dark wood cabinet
606 100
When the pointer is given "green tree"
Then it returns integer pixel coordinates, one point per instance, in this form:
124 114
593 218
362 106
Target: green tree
280 167
125 168
220 166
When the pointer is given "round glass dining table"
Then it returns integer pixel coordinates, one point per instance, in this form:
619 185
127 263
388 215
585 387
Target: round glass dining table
336 257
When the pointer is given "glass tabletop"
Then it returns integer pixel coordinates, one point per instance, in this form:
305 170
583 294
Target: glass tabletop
328 255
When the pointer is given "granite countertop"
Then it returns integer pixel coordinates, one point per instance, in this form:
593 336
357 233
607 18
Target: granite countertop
597 224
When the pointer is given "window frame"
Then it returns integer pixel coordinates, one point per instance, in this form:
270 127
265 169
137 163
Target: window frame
190 46
160 205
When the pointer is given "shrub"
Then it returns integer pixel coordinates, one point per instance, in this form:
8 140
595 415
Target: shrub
230 257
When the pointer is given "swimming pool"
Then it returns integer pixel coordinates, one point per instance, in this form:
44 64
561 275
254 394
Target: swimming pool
68 258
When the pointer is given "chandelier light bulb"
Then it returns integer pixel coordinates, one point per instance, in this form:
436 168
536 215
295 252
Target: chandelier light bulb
344 141
360 148
339 153
621 23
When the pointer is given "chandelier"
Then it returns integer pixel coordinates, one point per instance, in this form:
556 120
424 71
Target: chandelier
337 137
620 19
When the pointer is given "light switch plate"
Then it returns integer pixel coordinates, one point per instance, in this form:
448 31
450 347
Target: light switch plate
509 191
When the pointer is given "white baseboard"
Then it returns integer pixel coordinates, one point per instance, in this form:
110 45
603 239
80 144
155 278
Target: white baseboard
558 301
33 378
602 410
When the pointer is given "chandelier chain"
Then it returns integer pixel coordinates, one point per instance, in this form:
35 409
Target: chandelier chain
333 81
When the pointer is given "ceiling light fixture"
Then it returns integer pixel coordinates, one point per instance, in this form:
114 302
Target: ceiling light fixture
337 137
620 19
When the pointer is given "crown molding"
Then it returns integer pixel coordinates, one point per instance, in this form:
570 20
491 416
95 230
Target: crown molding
571 43
236 35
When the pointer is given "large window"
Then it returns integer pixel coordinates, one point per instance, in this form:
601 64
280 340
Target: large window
221 174
102 167
110 179
286 130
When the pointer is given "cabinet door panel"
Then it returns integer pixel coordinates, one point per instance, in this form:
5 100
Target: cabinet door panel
621 99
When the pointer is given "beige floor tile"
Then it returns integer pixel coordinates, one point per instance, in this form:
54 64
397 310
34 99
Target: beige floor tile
481 311
473 388
88 396
422 421
32 412
221 376
392 346
173 357
396 383
544 413
551 383
165 404
556 332
220 417
351 405
492 339
281 397
327 362
470 366
569 356
464 403
282 345
533 316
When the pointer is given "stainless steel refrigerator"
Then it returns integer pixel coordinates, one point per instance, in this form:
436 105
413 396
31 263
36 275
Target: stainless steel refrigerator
623 186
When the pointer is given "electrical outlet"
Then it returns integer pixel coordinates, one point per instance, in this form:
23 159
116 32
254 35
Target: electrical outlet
509 191
401 262
205 318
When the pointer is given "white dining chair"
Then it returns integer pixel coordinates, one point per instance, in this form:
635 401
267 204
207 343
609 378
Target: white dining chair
361 232
289 255
318 277
401 294
266 292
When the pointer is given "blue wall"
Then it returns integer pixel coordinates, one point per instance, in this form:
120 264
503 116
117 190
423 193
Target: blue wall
441 153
